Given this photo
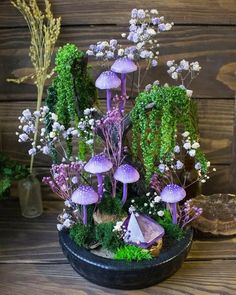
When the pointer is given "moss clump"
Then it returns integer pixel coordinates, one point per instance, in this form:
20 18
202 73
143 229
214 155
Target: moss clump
172 230
107 237
82 235
132 253
111 205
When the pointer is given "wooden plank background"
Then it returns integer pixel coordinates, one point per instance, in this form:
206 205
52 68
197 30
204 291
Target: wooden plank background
203 31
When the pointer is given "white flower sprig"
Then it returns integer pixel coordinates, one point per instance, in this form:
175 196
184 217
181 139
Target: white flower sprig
172 169
184 71
55 135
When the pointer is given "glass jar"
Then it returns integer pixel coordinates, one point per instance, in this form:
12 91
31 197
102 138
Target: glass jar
29 191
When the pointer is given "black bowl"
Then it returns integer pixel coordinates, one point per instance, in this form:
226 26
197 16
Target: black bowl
119 274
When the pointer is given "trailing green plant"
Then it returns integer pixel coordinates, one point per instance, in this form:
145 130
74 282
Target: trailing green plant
109 239
74 87
132 253
50 102
156 118
82 235
9 171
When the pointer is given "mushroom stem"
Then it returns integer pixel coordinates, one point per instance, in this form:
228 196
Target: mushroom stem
173 208
124 197
100 185
84 215
113 188
123 91
109 105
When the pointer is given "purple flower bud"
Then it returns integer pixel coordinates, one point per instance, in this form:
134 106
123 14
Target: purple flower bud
162 27
23 137
154 63
32 151
110 54
134 13
141 13
161 168
132 28
113 42
197 166
156 21
148 87
179 165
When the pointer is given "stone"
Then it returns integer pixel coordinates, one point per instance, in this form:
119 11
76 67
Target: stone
142 230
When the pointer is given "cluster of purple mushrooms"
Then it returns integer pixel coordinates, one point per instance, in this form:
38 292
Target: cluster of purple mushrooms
100 164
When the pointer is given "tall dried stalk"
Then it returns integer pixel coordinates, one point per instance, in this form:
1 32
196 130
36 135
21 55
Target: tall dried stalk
44 30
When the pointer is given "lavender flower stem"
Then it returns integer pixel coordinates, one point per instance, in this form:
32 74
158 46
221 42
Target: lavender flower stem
109 105
125 189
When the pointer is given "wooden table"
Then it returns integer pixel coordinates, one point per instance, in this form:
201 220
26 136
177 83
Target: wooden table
32 263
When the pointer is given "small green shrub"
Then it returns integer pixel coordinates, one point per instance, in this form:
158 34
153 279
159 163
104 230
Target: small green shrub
9 171
82 235
172 230
111 205
108 239
132 253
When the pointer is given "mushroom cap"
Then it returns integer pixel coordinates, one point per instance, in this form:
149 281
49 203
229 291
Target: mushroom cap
172 193
124 65
126 174
84 195
98 164
107 80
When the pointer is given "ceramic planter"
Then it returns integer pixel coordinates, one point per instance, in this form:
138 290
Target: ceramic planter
122 274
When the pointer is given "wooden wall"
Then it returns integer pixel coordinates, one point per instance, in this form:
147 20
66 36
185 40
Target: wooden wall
204 30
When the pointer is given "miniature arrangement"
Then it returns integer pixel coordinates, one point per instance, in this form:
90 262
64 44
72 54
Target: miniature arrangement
124 199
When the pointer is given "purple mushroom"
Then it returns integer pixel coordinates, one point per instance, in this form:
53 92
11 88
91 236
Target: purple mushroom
84 195
123 66
172 194
126 174
98 164
108 80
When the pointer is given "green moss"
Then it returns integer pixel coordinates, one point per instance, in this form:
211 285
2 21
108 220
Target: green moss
108 239
111 205
171 230
82 235
155 129
132 253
